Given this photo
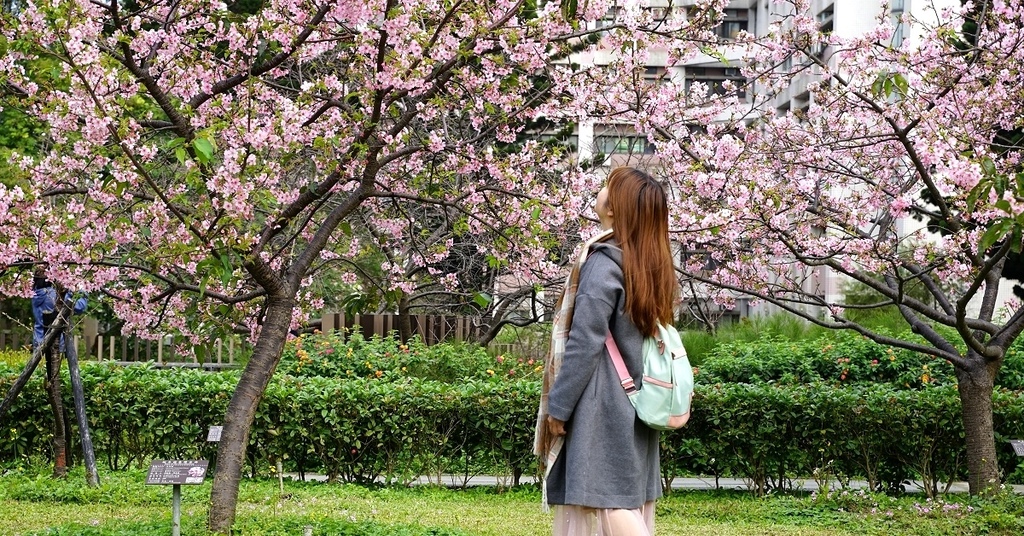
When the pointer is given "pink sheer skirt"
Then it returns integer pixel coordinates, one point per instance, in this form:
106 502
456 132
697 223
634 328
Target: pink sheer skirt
572 520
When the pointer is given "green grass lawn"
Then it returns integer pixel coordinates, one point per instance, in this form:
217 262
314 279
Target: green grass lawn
33 504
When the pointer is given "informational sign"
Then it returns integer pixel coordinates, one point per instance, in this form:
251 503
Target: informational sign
214 435
1018 446
177 472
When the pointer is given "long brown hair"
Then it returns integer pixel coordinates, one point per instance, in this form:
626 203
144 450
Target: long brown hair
639 209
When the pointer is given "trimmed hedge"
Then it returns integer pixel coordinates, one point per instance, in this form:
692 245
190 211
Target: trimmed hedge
361 429
357 429
772 433
841 358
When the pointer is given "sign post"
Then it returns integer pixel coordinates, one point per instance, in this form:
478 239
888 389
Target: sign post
213 436
176 473
1018 446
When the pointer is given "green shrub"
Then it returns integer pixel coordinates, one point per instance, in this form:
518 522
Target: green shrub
390 429
840 358
769 433
357 429
350 355
700 343
529 342
362 430
14 358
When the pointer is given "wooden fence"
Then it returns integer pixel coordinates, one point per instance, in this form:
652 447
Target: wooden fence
13 336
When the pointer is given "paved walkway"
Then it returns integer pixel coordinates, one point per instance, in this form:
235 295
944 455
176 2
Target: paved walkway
695 483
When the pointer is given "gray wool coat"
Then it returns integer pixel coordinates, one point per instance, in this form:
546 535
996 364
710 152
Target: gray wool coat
610 458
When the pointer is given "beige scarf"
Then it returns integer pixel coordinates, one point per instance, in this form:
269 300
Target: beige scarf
544 446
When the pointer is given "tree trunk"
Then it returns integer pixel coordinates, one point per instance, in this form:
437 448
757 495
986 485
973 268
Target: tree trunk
78 394
19 384
242 410
975 387
485 331
404 319
53 393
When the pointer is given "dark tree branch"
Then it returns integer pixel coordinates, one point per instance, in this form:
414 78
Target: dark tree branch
271 64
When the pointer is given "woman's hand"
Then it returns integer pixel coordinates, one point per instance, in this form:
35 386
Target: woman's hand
556 428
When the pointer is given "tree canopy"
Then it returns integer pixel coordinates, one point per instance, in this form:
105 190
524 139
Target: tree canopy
199 164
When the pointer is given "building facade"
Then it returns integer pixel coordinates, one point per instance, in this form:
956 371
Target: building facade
608 145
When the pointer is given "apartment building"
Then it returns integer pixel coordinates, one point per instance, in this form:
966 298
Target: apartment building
845 18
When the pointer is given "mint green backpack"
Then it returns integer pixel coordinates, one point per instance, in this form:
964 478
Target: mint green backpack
662 400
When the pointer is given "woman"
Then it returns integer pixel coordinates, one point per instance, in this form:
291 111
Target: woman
606 478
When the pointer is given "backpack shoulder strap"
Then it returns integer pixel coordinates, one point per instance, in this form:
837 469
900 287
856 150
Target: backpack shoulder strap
620 366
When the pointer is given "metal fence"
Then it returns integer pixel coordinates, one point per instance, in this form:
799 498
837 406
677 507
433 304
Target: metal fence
164 352
168 351
431 329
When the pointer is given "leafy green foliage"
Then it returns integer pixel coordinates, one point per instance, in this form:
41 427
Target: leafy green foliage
841 358
19 132
699 343
14 358
890 85
390 429
771 433
877 317
351 355
356 429
363 410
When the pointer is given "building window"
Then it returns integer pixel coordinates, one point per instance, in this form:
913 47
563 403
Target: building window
716 79
800 104
623 145
618 139
609 18
659 14
826 23
735 21
571 141
698 256
728 25
657 75
896 14
825 19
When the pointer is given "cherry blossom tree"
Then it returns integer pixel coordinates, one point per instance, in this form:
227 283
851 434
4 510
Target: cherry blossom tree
200 166
200 163
430 264
899 173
